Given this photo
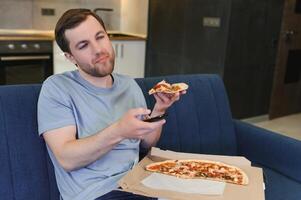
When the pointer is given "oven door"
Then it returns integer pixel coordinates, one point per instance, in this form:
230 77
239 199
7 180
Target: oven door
25 69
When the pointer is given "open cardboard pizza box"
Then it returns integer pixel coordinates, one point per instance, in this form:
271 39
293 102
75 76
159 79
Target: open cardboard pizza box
133 181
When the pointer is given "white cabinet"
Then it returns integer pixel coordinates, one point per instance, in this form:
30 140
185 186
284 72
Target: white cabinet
60 62
129 57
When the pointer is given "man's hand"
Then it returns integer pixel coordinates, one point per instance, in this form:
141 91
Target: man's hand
164 101
131 125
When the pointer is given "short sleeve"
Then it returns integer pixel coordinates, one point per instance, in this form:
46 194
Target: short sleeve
54 108
140 97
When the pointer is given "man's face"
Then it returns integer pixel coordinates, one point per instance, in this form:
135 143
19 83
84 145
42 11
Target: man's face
91 48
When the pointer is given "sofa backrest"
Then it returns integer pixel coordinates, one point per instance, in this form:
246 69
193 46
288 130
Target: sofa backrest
26 171
201 121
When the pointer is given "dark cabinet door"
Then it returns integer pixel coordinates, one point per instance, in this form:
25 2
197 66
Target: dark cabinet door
286 94
179 43
204 46
165 37
242 49
250 56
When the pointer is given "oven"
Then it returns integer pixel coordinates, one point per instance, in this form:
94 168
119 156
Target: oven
25 61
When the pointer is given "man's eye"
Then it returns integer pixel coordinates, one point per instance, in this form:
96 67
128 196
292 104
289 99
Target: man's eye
82 46
100 37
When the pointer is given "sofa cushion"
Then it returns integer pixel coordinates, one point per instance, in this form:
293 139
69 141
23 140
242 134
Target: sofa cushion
6 184
192 128
280 187
25 164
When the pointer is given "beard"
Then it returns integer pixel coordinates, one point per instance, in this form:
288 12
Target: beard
99 69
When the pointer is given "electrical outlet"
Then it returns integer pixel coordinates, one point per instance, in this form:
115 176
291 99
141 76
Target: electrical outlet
212 22
48 11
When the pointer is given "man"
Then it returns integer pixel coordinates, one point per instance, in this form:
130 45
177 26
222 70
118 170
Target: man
91 118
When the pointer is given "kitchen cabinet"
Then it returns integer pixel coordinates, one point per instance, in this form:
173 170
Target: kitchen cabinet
129 57
60 62
185 45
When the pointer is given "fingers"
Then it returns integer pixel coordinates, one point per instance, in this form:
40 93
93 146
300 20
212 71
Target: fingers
166 98
139 112
183 92
176 97
148 127
131 126
158 97
154 124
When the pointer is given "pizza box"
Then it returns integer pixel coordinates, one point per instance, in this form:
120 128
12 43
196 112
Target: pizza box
132 181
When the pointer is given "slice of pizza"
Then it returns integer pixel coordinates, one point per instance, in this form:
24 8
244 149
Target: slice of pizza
202 169
165 87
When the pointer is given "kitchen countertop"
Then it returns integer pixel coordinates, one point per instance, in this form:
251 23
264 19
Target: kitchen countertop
31 34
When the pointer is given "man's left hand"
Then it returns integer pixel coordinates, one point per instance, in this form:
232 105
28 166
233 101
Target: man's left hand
164 101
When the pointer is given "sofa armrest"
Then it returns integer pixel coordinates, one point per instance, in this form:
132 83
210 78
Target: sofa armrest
269 149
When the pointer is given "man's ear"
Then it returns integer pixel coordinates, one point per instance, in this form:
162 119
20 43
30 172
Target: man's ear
70 57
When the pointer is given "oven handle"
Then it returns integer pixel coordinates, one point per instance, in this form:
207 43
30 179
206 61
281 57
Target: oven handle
17 58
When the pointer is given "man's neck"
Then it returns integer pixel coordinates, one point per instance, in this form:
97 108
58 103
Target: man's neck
102 82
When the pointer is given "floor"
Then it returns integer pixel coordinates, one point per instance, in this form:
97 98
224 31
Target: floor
289 125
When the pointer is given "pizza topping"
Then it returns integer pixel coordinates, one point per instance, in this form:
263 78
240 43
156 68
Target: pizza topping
162 85
200 169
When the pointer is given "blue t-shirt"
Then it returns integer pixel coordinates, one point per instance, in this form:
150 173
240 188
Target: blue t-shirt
68 99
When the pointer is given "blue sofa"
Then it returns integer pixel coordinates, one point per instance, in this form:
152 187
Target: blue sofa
200 123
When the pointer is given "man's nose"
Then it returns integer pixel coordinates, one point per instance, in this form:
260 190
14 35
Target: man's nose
96 47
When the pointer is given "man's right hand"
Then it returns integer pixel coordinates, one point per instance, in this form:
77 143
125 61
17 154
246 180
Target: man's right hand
131 125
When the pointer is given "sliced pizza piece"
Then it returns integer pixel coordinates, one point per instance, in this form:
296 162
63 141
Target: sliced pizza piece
202 169
169 167
160 87
164 167
161 166
165 87
217 171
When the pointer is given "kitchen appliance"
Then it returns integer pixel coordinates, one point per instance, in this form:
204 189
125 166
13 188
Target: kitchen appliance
25 61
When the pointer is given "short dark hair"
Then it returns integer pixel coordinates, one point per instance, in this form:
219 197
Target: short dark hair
71 19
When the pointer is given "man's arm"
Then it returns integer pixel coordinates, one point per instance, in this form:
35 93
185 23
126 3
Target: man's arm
74 153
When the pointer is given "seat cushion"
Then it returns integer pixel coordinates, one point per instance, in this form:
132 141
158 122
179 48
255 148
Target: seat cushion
201 121
280 187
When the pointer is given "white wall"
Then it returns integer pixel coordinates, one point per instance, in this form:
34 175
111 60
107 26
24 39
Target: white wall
26 14
134 16
15 14
129 16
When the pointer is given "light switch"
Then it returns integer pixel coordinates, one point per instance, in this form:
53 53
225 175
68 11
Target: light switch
48 11
212 22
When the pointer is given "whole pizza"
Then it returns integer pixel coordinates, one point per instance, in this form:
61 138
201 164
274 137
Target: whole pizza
203 169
